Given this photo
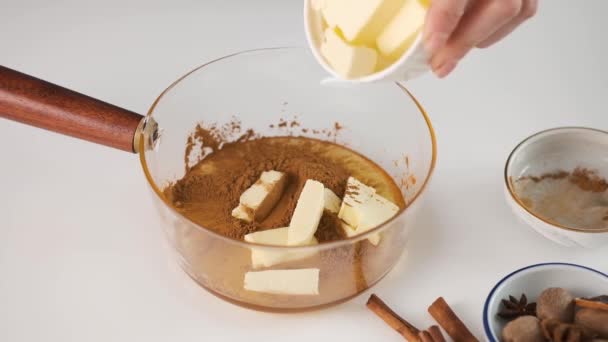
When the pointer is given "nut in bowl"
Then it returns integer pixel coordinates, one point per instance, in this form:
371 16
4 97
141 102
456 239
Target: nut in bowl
548 302
556 182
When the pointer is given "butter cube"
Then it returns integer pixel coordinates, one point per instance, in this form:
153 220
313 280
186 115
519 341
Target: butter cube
318 5
399 34
264 257
374 239
307 214
284 282
384 62
348 61
271 177
363 209
332 201
425 3
242 213
361 21
254 196
260 198
356 195
377 211
276 237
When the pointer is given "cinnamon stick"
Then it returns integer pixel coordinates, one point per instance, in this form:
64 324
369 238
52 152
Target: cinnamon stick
445 316
425 336
590 304
436 334
403 327
432 334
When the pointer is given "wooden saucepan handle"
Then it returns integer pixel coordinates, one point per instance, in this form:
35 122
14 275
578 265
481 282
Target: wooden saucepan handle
45 105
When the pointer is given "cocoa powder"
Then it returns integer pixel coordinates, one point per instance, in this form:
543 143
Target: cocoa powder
292 127
211 189
223 161
213 138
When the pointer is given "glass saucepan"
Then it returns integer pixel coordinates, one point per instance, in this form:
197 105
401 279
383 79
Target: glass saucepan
259 89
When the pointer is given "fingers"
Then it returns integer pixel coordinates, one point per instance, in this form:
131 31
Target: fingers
485 18
528 10
441 21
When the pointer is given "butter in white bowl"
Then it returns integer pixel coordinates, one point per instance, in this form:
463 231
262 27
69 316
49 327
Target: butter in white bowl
350 61
399 34
367 40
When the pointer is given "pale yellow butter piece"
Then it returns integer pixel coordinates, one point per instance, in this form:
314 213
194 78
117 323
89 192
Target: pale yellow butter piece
361 21
330 11
254 196
363 209
276 237
308 212
374 239
242 213
271 177
264 257
376 211
384 62
357 194
399 33
284 282
258 200
332 201
425 3
346 60
318 5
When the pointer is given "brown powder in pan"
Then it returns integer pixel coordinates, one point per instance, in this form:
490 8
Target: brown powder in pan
213 138
224 161
329 228
211 189
292 127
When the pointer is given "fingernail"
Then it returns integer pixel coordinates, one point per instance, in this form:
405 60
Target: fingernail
434 42
445 68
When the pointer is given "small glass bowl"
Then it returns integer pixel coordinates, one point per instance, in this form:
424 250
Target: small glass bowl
551 151
260 88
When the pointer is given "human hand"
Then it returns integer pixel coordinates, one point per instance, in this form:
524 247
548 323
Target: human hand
455 27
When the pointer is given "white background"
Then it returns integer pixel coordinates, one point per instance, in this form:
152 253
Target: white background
82 257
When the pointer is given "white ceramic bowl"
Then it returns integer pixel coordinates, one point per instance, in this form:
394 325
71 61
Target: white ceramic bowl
411 64
581 281
555 149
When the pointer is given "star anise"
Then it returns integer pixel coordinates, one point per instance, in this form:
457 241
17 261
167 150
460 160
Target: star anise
514 308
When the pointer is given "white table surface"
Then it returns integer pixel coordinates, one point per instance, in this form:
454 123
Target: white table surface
82 256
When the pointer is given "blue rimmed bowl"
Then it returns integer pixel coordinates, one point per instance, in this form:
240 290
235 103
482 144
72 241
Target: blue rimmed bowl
581 281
